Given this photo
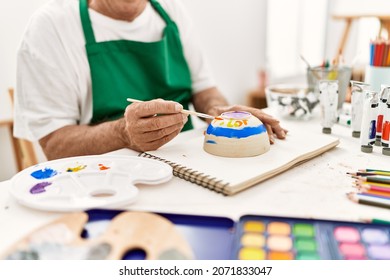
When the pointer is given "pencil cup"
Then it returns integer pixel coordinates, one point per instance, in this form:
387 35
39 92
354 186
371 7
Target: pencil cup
341 73
376 76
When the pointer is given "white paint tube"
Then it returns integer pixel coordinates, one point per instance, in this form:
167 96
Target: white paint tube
386 130
329 92
344 119
370 113
383 97
357 100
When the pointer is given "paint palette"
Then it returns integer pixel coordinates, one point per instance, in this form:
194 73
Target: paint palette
80 183
277 238
64 239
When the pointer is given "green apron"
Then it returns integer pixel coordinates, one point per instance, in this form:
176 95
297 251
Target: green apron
145 71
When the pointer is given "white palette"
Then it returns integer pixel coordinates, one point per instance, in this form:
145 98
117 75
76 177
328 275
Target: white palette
87 182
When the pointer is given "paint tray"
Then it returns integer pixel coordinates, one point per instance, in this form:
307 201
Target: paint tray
281 238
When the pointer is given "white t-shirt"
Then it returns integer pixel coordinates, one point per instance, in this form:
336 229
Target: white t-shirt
53 77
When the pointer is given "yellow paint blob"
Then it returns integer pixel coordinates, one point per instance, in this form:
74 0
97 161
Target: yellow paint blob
252 240
254 226
279 228
76 168
279 243
251 254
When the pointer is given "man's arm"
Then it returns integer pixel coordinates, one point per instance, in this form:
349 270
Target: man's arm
77 140
139 130
212 102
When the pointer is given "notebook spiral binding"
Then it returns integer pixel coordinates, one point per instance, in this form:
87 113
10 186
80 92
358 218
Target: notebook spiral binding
192 176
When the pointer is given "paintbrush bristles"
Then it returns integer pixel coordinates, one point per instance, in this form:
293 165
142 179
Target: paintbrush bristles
188 112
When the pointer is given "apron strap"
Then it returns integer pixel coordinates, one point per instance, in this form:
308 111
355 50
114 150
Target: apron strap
86 22
161 11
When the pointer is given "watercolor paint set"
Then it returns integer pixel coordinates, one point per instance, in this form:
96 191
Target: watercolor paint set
79 183
115 234
261 237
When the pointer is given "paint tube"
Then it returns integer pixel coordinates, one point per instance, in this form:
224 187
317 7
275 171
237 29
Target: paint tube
329 91
386 130
383 97
357 100
344 119
370 113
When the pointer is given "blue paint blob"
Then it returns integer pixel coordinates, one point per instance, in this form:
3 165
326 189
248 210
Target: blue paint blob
44 173
211 142
39 188
236 133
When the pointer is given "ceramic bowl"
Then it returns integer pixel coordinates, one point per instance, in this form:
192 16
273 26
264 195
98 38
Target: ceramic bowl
236 134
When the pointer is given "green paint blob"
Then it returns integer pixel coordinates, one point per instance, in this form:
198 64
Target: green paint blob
308 256
305 244
303 230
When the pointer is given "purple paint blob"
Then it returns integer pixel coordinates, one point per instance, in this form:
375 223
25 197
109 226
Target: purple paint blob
237 115
44 173
379 252
375 236
39 188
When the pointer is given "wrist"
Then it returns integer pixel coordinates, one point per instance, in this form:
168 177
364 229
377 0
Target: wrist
121 133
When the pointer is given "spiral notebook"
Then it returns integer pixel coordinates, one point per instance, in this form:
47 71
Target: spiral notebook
232 175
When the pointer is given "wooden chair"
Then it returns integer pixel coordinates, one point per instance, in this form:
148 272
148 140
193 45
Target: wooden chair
23 150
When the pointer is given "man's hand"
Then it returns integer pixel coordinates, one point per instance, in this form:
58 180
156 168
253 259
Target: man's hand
212 102
151 124
272 124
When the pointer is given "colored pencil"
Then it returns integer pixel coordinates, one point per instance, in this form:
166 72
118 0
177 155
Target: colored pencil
373 179
372 188
363 174
380 53
376 221
366 194
371 184
381 172
369 201
388 58
385 54
188 112
372 53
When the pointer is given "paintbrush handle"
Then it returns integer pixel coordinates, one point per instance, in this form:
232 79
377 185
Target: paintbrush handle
188 112
197 114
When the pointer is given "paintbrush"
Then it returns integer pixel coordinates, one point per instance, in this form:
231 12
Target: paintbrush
188 112
317 76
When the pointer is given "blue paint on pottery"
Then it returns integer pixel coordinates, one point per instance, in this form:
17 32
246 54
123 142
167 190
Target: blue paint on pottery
236 133
211 142
44 173
39 188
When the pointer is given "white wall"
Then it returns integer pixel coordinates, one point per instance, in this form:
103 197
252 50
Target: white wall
233 36
232 32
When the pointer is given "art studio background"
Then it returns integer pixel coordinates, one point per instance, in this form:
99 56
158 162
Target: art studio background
240 38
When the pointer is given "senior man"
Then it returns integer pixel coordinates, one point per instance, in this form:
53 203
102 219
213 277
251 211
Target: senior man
80 60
